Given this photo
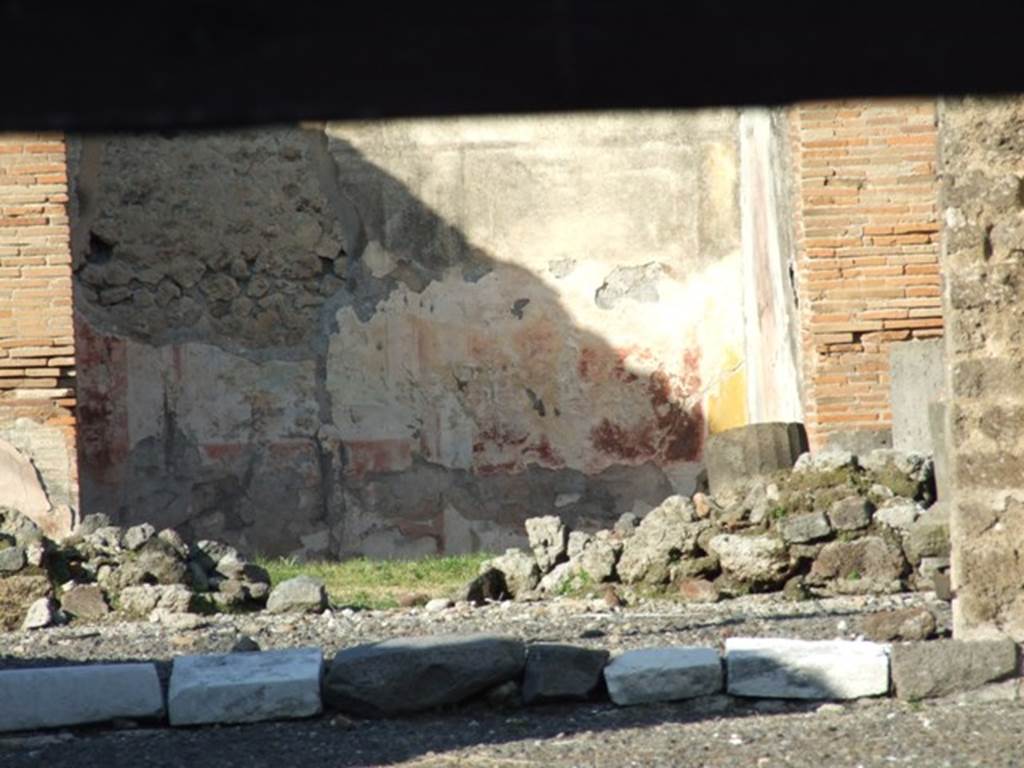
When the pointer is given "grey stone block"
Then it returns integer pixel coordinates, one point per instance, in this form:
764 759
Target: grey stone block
940 449
799 529
417 673
943 667
805 669
917 380
245 687
858 441
561 672
651 675
736 456
57 697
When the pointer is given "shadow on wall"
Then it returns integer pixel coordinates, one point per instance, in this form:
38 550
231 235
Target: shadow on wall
280 344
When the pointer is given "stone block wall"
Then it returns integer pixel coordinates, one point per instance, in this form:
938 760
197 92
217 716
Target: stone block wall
867 265
37 363
983 264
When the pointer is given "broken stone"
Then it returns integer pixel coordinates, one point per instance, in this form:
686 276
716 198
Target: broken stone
860 566
549 539
666 534
905 474
826 461
850 514
697 591
903 624
803 528
302 594
703 506
138 535
736 456
651 675
20 485
578 541
899 514
22 529
942 667
559 578
599 559
806 669
84 601
561 673
141 600
12 559
626 524
17 594
928 536
42 613
752 559
520 571
412 674
437 605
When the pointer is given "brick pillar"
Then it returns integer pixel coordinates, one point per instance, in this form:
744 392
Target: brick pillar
983 267
37 363
867 253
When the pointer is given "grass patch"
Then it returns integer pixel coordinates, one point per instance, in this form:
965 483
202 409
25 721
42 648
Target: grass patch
364 583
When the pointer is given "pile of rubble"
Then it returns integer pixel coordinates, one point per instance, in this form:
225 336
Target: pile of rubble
100 568
835 524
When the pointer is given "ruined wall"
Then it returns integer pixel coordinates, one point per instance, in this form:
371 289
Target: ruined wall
983 244
867 257
37 386
405 338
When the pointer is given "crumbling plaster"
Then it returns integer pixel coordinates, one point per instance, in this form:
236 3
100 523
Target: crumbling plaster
407 337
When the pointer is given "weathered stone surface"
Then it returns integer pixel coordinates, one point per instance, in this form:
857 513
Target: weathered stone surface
666 534
302 594
906 474
245 687
142 600
902 624
831 460
755 559
559 578
549 540
805 669
868 564
918 378
627 524
798 529
42 613
850 514
138 535
85 601
12 559
929 535
20 486
561 672
941 667
17 593
736 456
697 591
599 559
21 528
413 674
651 675
899 514
59 697
578 541
519 569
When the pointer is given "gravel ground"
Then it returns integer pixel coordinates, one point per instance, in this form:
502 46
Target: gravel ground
712 732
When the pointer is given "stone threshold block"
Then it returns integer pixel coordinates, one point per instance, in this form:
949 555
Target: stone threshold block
57 697
649 675
806 669
245 687
943 667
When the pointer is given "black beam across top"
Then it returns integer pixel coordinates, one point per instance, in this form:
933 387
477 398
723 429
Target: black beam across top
101 66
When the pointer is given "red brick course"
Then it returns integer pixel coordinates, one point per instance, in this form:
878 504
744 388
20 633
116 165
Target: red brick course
867 261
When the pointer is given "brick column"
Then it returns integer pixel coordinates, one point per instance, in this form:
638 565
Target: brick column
37 363
867 253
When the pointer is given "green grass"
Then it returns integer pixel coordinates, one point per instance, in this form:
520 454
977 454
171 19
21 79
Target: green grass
363 583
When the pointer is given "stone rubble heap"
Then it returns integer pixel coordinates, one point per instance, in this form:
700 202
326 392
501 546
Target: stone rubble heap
407 675
137 572
835 524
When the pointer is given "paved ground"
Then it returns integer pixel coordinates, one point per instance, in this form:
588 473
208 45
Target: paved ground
712 732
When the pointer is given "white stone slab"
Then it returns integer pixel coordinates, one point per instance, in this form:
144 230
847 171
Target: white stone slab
806 669
649 675
55 697
245 687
